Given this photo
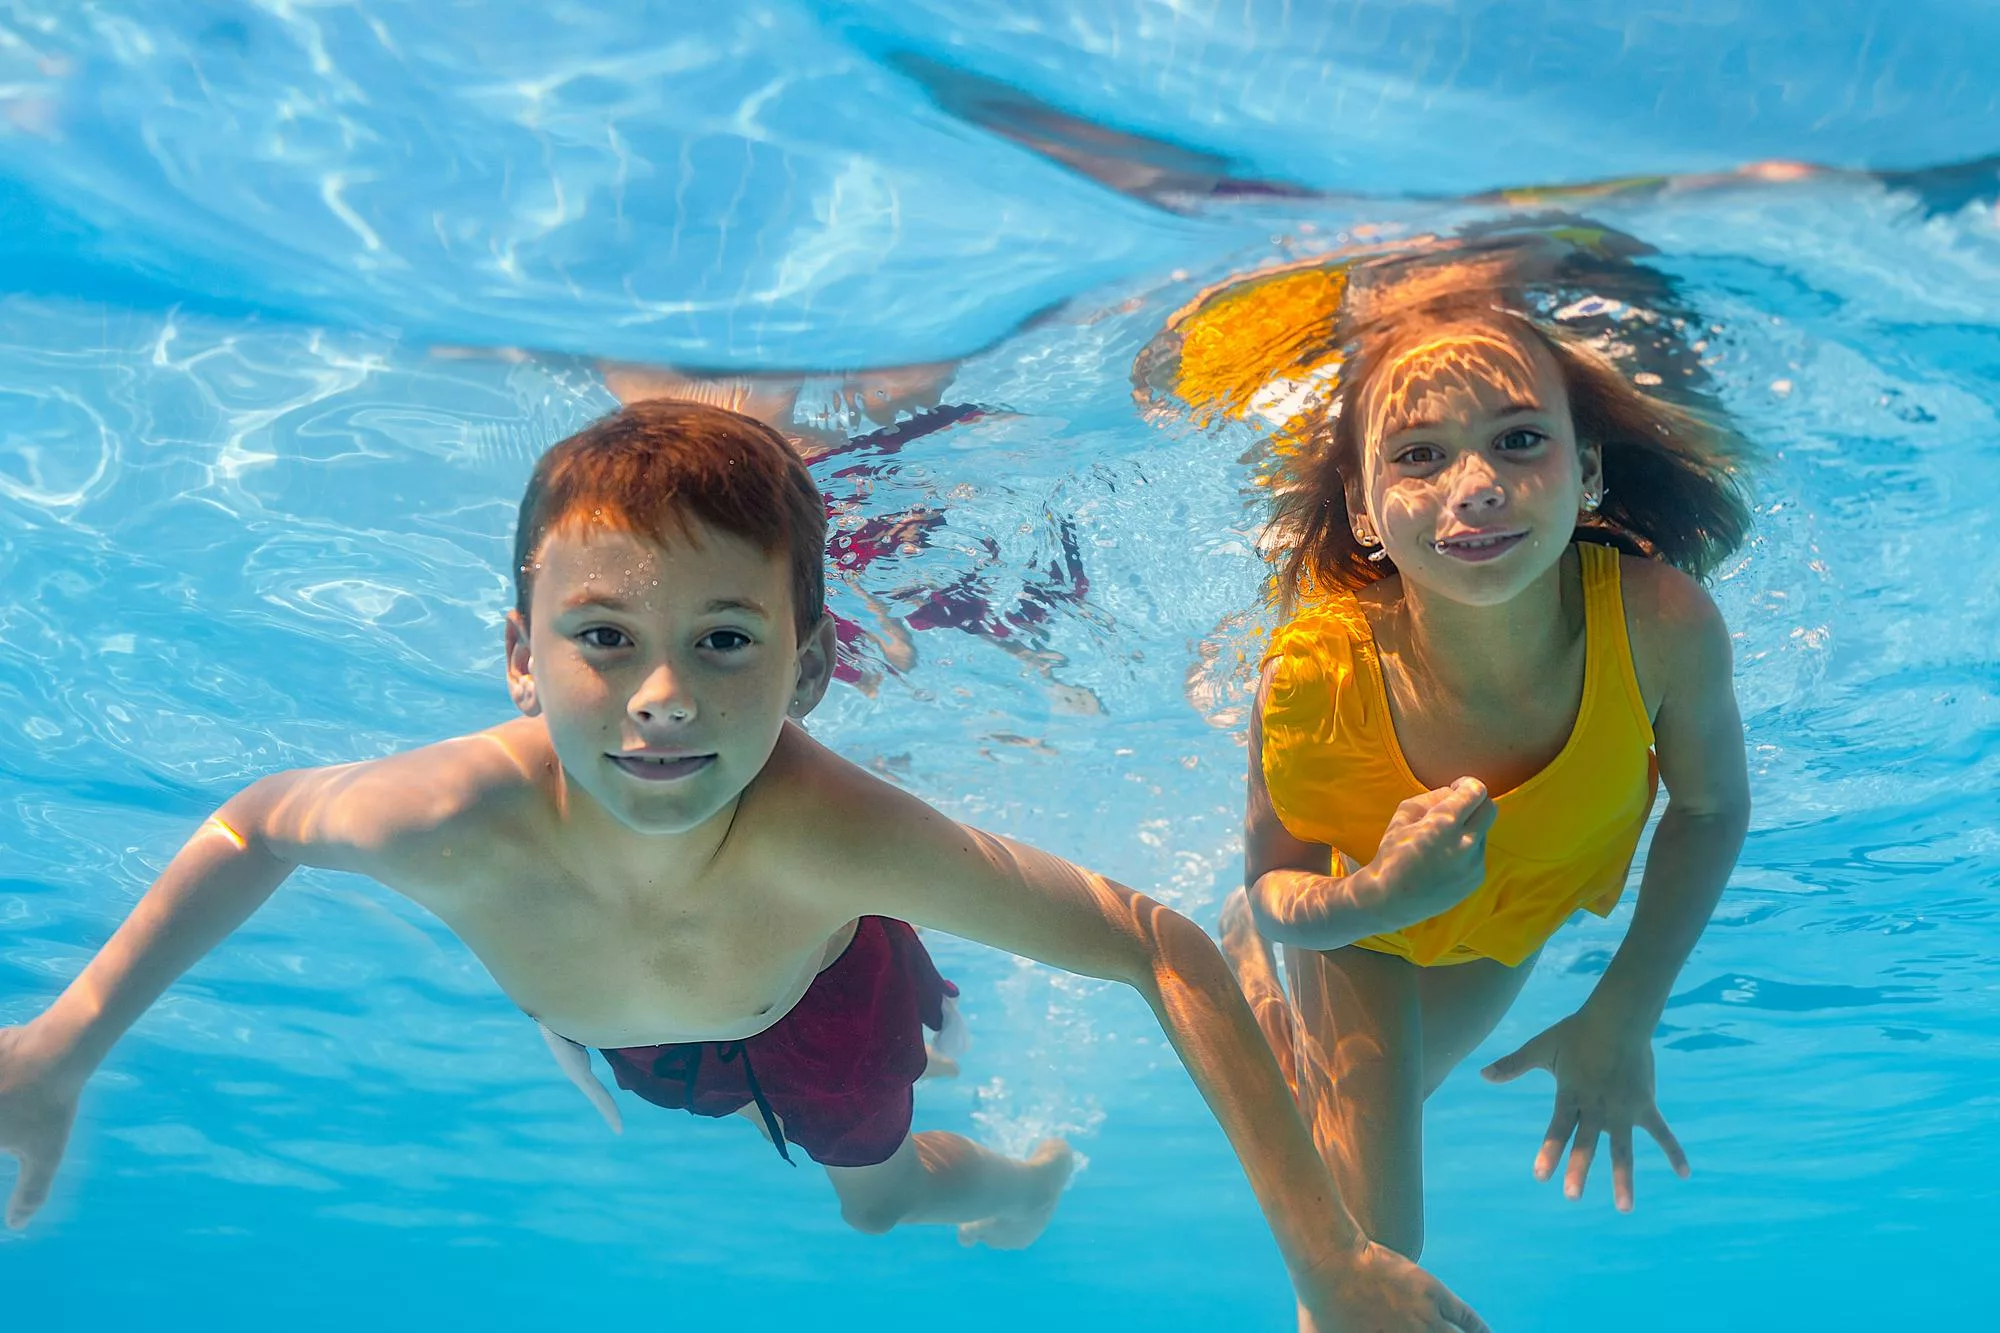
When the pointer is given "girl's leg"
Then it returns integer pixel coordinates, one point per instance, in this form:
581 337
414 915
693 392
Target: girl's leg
1461 1005
1358 1056
942 1178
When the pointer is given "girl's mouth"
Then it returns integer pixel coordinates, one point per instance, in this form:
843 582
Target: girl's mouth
662 767
1478 547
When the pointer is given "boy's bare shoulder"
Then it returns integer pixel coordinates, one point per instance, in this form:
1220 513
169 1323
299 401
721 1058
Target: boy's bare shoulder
820 811
352 815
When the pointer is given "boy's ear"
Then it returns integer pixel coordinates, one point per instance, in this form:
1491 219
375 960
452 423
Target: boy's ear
520 669
816 658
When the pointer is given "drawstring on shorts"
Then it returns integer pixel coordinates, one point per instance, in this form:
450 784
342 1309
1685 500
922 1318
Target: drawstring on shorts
684 1063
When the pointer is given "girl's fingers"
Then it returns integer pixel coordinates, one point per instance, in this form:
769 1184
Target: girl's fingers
1479 818
1653 1124
1580 1154
1621 1167
1560 1125
1510 1067
31 1189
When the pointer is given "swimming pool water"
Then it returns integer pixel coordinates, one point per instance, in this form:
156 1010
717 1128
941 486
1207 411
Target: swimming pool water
250 519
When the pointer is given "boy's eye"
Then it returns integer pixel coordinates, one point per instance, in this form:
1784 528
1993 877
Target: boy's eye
604 636
726 640
1521 438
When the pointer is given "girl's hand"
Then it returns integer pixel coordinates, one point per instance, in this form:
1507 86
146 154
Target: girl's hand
37 1107
1604 1085
1433 854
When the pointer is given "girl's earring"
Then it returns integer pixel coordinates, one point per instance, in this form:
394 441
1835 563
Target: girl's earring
1366 536
1591 500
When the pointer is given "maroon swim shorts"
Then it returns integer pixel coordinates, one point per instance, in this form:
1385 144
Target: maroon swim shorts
835 1072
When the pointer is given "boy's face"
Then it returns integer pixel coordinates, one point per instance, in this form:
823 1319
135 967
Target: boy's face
664 672
884 395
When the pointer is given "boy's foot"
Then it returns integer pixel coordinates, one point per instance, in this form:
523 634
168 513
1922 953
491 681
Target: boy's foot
1048 1169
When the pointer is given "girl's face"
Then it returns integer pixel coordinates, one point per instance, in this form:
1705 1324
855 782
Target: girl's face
1472 471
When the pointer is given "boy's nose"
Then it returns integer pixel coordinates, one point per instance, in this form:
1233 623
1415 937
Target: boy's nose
660 699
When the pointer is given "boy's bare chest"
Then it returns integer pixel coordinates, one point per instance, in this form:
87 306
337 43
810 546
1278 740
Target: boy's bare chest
714 958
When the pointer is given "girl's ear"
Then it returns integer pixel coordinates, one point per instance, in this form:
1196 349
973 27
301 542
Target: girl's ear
520 668
1591 457
1359 521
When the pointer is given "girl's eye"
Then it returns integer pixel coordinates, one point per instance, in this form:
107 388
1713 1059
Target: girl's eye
1516 440
726 640
604 636
1419 455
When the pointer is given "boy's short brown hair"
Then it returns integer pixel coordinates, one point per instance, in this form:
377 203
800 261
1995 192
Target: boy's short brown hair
653 466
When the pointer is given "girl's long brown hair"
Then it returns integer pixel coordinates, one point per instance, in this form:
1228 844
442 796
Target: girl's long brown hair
1673 467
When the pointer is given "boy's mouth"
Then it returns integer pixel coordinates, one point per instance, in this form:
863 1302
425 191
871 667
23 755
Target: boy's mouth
1478 547
661 767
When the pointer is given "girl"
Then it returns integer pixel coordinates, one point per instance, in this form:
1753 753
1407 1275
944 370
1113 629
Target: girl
1496 650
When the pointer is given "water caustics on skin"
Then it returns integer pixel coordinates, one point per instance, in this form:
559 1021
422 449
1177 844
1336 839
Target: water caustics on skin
250 519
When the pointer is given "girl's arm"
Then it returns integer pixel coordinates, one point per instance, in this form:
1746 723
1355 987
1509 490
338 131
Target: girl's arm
1295 898
1432 855
1698 736
1602 1055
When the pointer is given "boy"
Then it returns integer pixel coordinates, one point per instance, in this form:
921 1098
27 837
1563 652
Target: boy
657 861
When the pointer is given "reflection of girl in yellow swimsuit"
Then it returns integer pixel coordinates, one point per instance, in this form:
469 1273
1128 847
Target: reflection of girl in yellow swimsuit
1492 657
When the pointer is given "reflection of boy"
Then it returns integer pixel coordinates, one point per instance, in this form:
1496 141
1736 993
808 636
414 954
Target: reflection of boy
903 403
880 397
656 860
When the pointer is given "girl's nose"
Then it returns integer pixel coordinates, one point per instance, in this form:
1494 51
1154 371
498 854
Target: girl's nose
1475 487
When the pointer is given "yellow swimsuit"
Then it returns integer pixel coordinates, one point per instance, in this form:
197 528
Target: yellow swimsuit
1564 839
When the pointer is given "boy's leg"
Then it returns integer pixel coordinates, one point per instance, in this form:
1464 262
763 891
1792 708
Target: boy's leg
1256 967
1360 1084
941 1178
1461 1006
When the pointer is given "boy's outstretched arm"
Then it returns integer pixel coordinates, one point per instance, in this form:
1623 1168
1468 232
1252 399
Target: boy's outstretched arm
330 817
901 858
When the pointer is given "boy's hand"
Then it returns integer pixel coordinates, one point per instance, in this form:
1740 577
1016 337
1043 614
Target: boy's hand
1380 1291
1433 854
37 1107
1604 1085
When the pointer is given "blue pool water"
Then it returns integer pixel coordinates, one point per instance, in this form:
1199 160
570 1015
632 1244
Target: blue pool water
252 517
